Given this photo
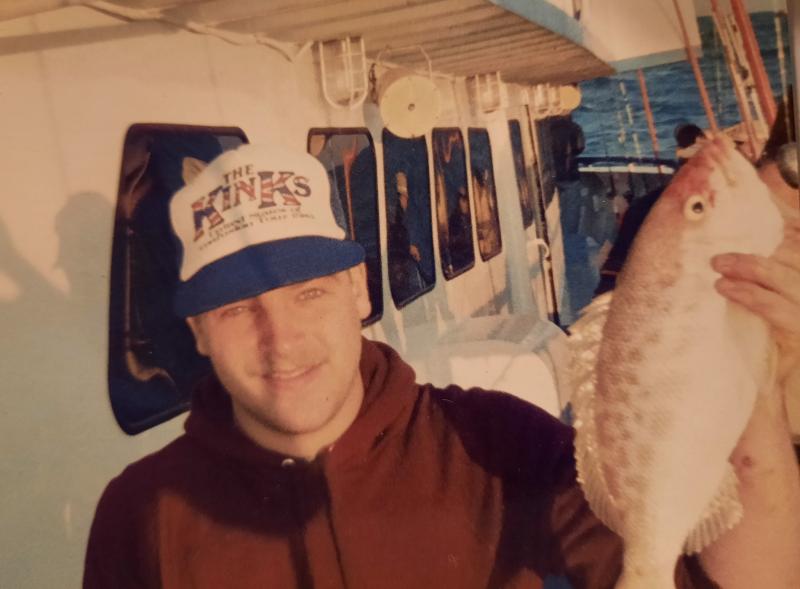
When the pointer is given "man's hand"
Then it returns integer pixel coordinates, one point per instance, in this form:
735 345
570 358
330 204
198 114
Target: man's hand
761 551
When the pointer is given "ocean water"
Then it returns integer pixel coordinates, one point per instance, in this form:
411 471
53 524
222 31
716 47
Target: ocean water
674 96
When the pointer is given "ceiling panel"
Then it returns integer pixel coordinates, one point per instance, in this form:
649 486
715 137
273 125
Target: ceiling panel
462 37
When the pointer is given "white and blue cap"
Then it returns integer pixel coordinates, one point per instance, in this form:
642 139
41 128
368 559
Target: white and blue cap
256 218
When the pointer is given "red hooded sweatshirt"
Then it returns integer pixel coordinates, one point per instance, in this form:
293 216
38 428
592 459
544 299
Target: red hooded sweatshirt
428 488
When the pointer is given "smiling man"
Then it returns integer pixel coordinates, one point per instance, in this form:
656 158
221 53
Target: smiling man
312 459
289 360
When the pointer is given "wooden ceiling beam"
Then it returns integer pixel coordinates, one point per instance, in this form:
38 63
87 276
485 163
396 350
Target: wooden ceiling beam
217 12
489 62
499 47
335 28
462 32
570 72
150 4
318 13
447 46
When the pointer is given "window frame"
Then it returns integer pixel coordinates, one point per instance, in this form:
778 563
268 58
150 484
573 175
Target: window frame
374 317
471 265
530 209
429 287
123 311
485 131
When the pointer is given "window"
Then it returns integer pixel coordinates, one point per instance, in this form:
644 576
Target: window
153 364
547 164
349 157
484 193
408 217
454 219
561 141
525 192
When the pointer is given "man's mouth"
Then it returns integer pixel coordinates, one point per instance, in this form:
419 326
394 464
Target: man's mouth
291 374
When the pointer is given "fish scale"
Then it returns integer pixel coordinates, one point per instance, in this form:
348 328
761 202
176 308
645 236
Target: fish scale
669 370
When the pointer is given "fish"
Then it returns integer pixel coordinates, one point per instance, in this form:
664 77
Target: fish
662 398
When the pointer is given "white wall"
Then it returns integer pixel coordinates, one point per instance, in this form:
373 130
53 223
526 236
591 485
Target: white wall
72 83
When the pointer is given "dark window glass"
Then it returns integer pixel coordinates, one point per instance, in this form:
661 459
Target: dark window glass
484 194
546 160
153 364
408 210
349 157
520 169
454 220
561 141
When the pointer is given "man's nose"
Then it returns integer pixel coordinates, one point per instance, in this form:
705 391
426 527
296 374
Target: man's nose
277 327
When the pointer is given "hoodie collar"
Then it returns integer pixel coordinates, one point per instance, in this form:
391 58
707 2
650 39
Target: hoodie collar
388 389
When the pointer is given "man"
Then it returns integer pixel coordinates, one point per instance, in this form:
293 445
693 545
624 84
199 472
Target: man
686 140
312 459
459 230
405 261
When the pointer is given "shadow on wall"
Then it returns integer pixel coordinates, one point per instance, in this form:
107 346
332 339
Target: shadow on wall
54 387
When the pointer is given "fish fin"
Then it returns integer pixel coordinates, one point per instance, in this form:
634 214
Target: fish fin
587 459
722 514
584 342
584 339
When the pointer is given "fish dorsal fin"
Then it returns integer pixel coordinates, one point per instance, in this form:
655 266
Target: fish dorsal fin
590 472
722 514
584 341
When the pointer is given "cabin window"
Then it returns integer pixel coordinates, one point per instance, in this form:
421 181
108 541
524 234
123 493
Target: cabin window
349 157
408 217
454 219
562 141
547 164
153 363
484 193
524 187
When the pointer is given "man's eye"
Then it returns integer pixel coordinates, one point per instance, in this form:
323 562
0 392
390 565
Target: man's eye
235 310
311 293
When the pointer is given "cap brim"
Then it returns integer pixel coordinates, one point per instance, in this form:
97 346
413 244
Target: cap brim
262 267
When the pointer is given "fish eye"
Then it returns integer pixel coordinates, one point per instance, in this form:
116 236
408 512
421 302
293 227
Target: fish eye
694 208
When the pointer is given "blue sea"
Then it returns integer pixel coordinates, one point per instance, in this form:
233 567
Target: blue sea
674 96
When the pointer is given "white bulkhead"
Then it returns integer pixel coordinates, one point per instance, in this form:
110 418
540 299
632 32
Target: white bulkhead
72 82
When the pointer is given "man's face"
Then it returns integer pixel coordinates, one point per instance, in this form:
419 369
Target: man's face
463 204
402 195
289 357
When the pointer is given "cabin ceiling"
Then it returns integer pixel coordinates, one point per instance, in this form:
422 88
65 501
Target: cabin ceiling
462 37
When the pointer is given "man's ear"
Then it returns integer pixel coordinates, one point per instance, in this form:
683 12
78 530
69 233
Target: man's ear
200 338
358 280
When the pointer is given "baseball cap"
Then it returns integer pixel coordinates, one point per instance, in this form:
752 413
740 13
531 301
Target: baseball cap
256 218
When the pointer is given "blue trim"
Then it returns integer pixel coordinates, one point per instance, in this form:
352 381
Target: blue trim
262 267
545 14
645 61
